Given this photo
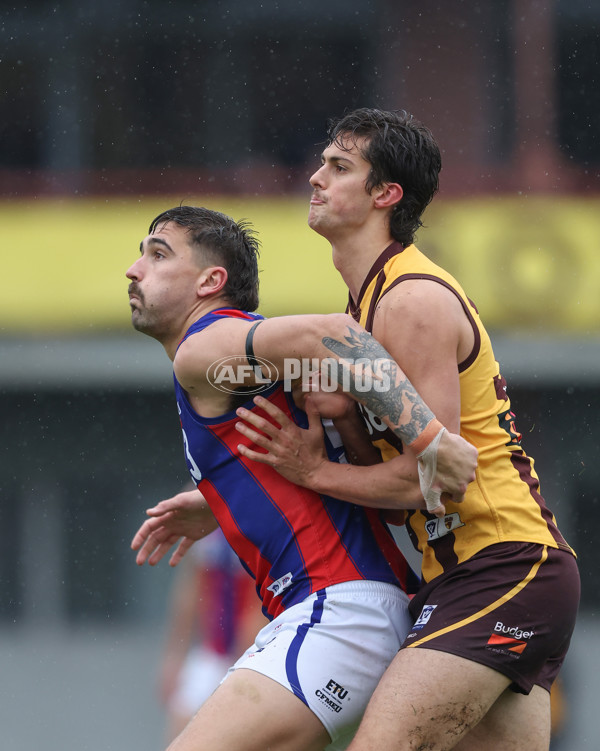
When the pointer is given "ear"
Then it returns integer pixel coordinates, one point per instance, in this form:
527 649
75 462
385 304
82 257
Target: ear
389 194
211 281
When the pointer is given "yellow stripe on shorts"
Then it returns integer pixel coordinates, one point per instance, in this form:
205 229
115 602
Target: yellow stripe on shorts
500 601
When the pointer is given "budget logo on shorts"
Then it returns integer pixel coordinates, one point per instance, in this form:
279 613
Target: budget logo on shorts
509 640
424 617
229 374
505 645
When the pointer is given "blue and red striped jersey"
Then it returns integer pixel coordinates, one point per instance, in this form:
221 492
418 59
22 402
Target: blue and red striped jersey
292 540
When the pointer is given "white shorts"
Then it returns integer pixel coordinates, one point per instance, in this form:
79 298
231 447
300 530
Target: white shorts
200 675
331 650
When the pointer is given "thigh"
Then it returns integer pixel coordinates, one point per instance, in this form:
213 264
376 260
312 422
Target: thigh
512 607
427 699
331 650
515 721
250 712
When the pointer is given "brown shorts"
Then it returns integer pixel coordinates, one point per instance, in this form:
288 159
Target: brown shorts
511 607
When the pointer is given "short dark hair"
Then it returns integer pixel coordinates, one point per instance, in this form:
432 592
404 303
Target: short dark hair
231 244
400 150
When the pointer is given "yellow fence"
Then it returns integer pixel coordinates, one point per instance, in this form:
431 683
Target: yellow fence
528 264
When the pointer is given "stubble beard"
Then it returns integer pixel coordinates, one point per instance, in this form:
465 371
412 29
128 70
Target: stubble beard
145 324
142 319
316 222
138 322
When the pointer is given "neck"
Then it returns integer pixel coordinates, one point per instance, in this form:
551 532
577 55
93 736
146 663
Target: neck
355 256
170 340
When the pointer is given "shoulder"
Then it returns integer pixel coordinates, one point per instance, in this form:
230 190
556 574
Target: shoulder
418 298
417 311
224 338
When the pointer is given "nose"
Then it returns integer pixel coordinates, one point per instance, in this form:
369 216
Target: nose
134 271
316 180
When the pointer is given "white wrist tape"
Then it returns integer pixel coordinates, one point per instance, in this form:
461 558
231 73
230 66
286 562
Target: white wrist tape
427 466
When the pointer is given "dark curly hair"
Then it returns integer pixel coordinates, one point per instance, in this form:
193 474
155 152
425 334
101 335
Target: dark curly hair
221 240
400 150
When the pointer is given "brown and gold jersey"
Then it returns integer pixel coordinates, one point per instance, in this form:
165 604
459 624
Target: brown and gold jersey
503 504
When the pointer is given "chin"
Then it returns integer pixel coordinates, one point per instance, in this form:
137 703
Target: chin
138 323
319 228
313 222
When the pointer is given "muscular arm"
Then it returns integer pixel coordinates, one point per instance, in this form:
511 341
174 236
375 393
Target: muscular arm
376 380
425 322
367 479
300 456
422 324
337 340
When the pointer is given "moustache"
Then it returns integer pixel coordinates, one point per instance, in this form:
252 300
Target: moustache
133 289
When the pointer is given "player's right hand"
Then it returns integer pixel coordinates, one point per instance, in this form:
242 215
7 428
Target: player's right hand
182 519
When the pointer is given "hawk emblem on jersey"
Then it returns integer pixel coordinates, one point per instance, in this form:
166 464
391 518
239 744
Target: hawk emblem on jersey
437 528
507 423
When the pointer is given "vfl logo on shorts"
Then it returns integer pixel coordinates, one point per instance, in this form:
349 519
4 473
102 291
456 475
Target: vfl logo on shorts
281 584
332 695
437 528
424 617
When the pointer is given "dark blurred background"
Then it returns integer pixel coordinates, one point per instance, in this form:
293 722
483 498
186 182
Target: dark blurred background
96 95
141 98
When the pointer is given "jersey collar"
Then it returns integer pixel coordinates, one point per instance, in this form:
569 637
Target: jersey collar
392 250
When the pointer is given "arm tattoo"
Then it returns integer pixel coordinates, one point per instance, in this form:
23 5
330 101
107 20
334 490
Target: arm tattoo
368 373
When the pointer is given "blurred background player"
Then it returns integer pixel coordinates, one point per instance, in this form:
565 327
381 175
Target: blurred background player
214 616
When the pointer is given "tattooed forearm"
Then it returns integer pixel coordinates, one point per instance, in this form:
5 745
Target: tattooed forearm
368 373
360 344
